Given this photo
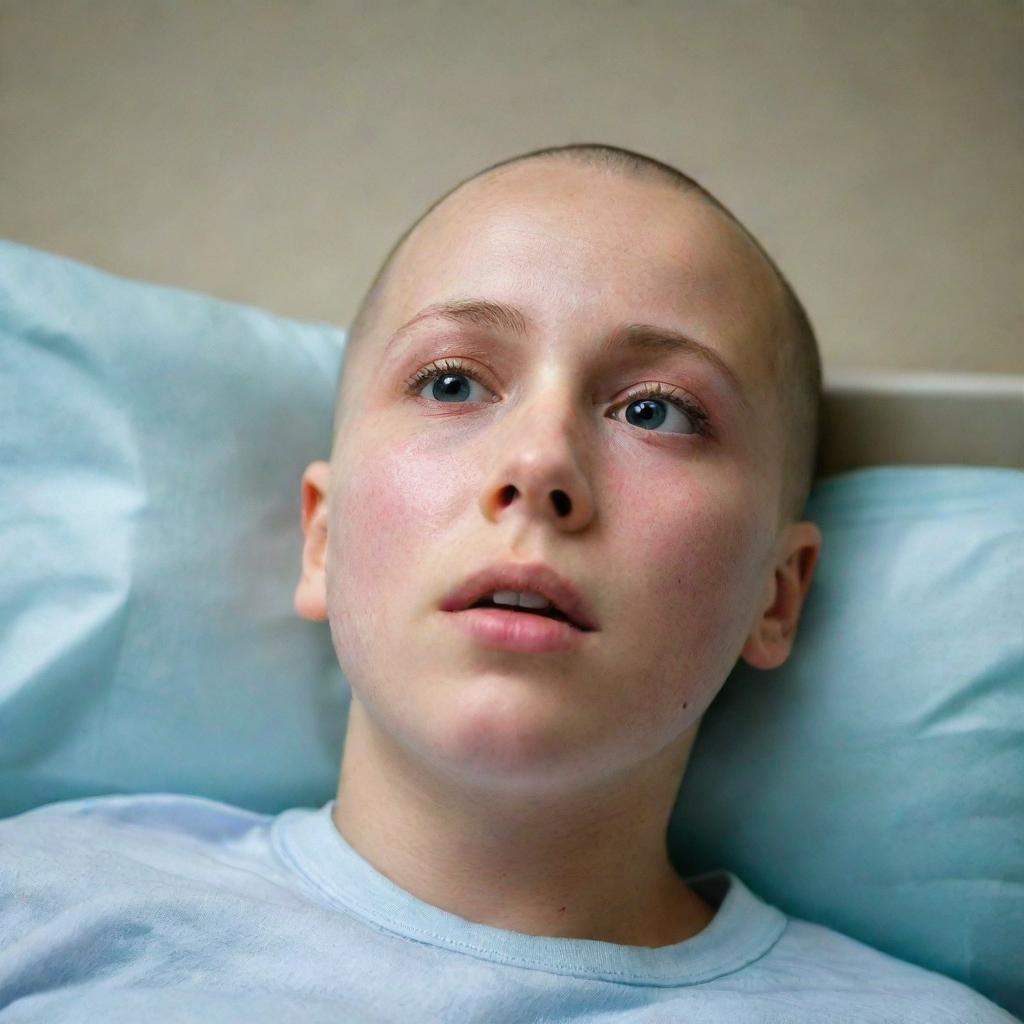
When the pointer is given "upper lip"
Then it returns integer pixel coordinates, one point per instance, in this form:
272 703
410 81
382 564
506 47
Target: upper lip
535 576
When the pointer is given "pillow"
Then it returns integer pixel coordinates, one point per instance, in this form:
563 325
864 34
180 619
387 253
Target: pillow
151 447
874 783
152 444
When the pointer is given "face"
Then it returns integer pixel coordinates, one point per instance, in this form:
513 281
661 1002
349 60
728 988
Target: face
667 516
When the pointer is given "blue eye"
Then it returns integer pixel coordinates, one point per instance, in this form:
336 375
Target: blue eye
648 408
654 405
451 383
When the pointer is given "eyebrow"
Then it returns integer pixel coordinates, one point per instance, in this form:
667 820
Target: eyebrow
638 339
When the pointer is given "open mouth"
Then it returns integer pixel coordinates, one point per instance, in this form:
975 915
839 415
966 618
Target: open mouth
547 613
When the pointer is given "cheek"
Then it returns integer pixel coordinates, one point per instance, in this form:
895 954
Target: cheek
694 532
694 554
394 502
384 497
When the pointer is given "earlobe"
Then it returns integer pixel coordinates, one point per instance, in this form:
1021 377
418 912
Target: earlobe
310 599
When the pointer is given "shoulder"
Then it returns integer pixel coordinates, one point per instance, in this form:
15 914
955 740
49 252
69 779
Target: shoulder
128 841
160 812
869 985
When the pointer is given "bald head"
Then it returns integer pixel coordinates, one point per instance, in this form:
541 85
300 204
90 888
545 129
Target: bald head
788 348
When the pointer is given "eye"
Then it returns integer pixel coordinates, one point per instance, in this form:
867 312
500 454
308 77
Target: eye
647 408
656 404
449 378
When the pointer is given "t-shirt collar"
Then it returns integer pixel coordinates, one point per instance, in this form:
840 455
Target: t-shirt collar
743 930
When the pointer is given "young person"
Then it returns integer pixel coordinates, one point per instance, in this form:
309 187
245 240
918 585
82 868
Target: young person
575 433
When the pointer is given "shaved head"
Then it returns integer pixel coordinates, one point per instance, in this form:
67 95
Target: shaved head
790 349
568 367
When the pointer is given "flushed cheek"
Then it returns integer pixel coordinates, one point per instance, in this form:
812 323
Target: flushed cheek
693 551
697 520
393 505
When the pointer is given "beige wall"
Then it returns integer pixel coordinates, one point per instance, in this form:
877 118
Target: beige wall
270 151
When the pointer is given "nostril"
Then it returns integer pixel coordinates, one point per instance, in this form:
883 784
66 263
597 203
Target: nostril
507 494
562 502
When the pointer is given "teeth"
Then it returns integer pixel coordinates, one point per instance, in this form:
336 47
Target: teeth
525 598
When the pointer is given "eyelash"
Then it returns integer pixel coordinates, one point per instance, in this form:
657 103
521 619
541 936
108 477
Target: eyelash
701 423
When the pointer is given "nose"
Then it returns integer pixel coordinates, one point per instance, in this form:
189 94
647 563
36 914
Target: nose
537 474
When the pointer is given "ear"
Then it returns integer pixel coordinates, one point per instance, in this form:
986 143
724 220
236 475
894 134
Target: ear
311 593
774 633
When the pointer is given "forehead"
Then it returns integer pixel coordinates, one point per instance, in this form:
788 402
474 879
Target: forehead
583 250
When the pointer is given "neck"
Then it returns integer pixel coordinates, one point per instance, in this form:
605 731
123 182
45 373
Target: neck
590 865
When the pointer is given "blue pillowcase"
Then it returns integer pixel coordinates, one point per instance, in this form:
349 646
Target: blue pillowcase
152 443
874 783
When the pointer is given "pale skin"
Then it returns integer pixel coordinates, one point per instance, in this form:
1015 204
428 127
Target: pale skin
532 791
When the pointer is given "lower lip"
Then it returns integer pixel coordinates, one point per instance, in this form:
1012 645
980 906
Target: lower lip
517 631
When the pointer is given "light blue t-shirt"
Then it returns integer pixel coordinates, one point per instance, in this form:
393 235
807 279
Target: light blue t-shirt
164 908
